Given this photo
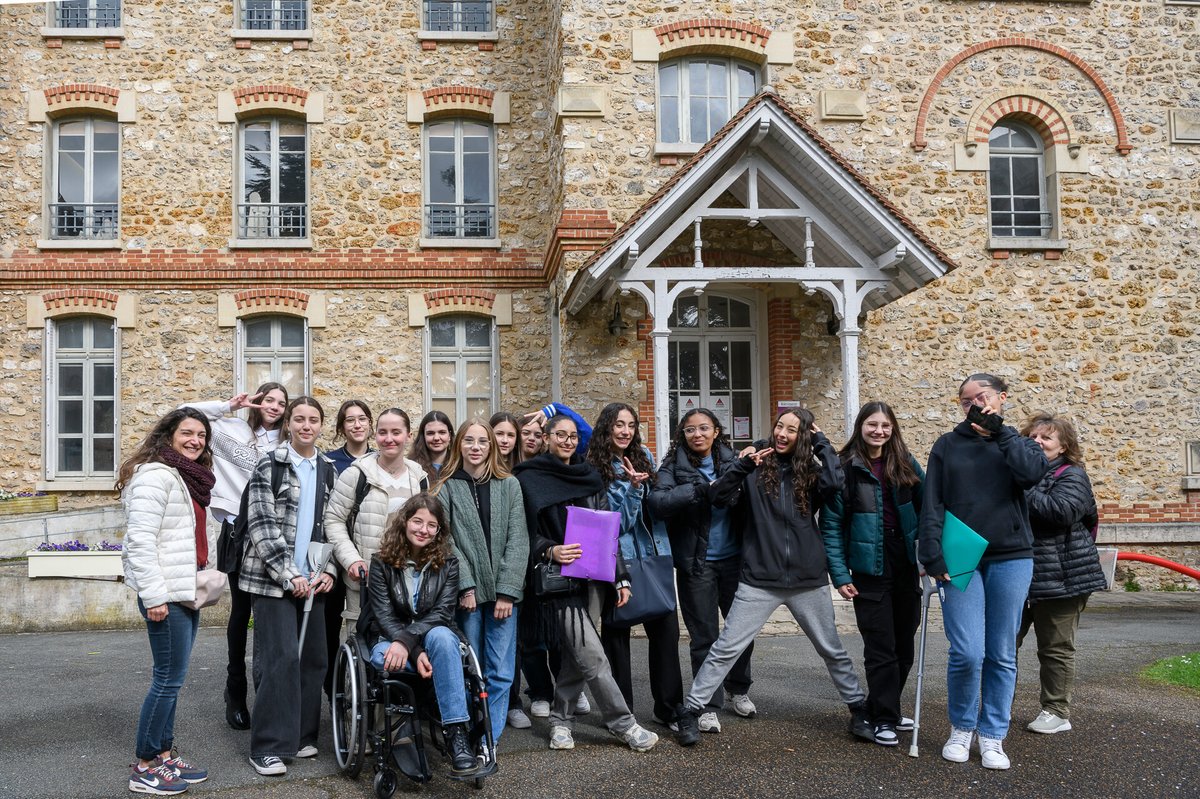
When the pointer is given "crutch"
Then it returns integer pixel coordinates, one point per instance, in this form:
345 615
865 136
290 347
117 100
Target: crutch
928 589
318 558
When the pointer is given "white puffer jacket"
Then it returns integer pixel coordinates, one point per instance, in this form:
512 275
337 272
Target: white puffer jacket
235 450
159 556
372 514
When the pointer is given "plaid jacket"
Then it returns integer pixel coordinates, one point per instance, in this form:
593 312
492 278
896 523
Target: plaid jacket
268 569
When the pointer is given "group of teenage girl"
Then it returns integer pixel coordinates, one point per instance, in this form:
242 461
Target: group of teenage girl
436 535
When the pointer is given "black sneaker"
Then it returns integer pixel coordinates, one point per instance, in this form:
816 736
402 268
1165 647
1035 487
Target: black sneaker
458 746
860 723
237 715
688 720
885 734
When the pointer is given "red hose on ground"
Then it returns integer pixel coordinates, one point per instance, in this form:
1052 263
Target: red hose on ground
1157 561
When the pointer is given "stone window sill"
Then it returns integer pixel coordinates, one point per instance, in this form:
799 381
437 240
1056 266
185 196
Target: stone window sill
80 244
458 36
83 33
1019 244
270 244
77 484
304 35
676 148
1191 483
459 244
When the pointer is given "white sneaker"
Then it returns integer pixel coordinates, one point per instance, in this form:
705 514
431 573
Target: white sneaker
638 737
958 745
743 706
905 725
992 750
709 722
539 709
518 720
307 751
561 738
582 705
1048 723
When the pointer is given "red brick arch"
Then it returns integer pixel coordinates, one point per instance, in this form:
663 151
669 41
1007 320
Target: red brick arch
919 143
1052 126
271 299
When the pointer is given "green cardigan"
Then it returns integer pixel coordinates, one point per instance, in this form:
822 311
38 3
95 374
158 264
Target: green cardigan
502 571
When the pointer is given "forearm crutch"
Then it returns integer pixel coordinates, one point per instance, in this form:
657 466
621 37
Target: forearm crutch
928 589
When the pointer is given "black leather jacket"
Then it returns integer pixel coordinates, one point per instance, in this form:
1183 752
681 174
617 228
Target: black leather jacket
392 616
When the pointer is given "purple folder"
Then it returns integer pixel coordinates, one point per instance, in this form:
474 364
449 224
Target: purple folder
596 531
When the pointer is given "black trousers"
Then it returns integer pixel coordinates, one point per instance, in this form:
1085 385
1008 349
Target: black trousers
888 612
287 697
705 599
541 670
236 633
335 603
666 682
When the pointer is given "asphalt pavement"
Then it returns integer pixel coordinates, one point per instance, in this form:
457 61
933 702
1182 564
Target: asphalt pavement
69 704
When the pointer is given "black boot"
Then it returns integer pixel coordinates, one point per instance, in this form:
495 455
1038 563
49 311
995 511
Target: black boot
860 723
688 720
237 715
458 746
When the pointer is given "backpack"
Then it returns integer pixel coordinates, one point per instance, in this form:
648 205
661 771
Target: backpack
231 543
1094 530
360 493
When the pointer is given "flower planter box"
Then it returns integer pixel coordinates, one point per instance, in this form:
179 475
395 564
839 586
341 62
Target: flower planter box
11 507
75 564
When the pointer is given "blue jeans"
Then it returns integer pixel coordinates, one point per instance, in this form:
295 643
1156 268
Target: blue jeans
171 643
495 643
441 644
981 625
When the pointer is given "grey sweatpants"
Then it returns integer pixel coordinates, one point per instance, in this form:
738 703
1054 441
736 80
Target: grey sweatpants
752 606
584 662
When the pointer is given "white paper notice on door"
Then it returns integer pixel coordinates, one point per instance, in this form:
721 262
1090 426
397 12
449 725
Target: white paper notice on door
741 427
721 409
687 404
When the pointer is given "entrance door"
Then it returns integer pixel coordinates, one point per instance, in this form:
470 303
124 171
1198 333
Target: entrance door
712 363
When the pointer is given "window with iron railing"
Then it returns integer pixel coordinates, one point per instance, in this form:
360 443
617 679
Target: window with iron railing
1017 182
458 15
273 197
86 179
274 15
459 185
86 13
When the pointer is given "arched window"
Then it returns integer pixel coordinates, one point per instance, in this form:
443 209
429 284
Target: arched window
86 179
460 201
1017 182
698 94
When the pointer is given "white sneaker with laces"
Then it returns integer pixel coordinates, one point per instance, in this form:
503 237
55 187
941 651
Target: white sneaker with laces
582 705
518 720
958 745
710 723
307 751
905 725
539 709
561 738
992 751
743 706
638 737
1048 723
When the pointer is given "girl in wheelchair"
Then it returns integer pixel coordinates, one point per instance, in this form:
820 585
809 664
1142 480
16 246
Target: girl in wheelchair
413 591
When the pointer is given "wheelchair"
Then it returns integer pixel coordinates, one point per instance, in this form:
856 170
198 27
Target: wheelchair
378 718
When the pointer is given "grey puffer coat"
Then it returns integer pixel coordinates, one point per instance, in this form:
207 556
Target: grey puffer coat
1062 512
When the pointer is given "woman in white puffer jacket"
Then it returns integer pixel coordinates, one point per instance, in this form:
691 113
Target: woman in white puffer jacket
167 485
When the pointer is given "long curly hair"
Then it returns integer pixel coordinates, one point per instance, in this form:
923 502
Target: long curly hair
679 442
419 451
493 465
160 436
897 462
397 551
602 451
804 473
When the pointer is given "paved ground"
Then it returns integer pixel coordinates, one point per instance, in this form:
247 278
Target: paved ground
69 704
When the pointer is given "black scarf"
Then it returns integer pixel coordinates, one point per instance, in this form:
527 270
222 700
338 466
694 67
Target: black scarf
545 481
198 479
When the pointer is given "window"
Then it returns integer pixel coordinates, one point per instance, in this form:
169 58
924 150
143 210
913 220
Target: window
85 178
1193 459
86 13
458 15
274 348
81 397
1017 182
461 375
273 15
459 186
696 96
274 180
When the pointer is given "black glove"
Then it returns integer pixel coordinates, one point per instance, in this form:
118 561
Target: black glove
991 422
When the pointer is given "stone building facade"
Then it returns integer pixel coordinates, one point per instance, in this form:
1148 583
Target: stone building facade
513 162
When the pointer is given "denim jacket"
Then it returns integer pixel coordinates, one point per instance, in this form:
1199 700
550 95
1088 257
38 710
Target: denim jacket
636 519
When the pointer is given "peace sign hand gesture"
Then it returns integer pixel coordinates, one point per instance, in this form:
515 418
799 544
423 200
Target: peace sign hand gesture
636 478
244 400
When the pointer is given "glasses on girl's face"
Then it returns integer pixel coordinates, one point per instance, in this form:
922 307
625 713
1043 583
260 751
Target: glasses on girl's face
982 398
431 527
564 438
703 429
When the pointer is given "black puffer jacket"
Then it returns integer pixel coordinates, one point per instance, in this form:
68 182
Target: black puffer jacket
1062 512
682 498
392 616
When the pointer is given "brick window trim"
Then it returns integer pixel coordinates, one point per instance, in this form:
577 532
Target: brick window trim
459 101
243 103
81 99
745 40
456 300
81 301
271 301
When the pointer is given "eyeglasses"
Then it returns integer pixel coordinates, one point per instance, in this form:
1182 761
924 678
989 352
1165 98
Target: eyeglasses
703 428
356 421
482 443
982 398
563 438
416 526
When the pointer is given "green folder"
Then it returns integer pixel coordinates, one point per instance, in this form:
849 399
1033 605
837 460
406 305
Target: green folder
962 548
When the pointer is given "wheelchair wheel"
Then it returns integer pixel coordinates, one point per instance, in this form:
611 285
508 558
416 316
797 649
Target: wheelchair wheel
348 711
385 783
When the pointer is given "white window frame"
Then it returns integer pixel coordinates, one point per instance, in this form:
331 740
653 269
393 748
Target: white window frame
241 31
1046 209
683 116
53 20
90 235
89 356
426 28
429 240
240 177
275 355
461 355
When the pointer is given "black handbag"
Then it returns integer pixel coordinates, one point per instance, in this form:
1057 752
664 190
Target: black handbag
548 580
652 589
231 547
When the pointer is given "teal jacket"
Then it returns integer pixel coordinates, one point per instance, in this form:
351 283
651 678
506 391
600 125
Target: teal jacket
500 571
854 535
